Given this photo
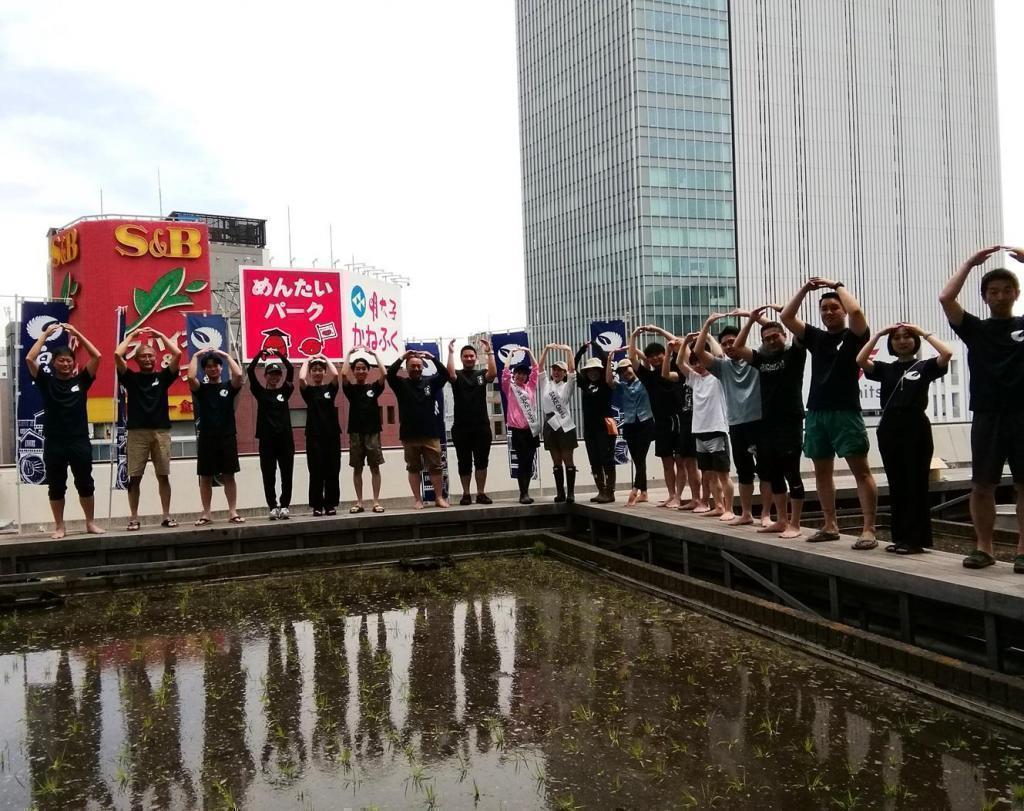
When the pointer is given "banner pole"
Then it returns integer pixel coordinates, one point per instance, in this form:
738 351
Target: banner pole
17 396
113 462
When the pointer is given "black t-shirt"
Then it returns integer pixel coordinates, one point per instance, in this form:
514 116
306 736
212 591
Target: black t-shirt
65 415
469 390
995 356
322 411
666 395
782 384
416 405
215 408
835 374
273 415
596 399
686 393
146 394
363 411
905 383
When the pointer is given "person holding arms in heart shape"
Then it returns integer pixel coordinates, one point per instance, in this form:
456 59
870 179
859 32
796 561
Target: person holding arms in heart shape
274 427
364 423
318 385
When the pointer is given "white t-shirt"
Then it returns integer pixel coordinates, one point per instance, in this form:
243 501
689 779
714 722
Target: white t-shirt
564 392
708 404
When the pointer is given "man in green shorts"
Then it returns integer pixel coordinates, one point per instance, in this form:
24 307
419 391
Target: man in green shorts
834 425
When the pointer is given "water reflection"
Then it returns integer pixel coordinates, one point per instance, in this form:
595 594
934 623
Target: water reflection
521 681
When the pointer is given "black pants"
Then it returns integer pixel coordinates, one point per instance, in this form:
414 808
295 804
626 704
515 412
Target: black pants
638 436
600 446
323 459
58 456
277 452
525 444
778 458
472 447
905 442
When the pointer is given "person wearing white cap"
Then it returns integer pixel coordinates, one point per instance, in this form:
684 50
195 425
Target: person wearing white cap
274 428
557 390
599 430
637 424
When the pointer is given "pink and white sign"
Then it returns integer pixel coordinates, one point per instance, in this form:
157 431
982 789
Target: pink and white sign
372 315
297 312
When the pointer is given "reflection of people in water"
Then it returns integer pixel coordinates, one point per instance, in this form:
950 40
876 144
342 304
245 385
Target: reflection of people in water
227 763
283 705
153 733
58 727
330 686
432 679
374 689
481 664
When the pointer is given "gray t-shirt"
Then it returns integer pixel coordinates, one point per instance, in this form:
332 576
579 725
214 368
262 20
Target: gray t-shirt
742 385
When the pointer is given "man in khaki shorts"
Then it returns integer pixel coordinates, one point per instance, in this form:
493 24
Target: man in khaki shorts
364 425
149 424
419 431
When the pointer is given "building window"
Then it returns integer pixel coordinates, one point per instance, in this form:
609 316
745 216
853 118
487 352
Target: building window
499 428
391 415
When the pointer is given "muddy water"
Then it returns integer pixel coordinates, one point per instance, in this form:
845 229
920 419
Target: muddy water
497 684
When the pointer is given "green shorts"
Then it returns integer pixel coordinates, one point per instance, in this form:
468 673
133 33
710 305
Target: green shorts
828 434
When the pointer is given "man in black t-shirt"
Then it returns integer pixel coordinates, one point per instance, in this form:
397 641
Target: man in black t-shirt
995 357
148 420
318 384
66 423
834 424
471 428
274 428
216 441
419 431
364 423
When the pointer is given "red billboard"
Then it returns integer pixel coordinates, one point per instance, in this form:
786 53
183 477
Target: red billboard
157 269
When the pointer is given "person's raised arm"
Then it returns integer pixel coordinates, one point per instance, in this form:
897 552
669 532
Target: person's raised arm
121 351
441 376
396 364
451 360
192 375
632 353
704 339
492 367
672 353
947 298
570 361
380 366
544 354
683 360
331 370
32 356
254 382
346 366
289 370
237 375
788 316
609 373
942 349
858 321
94 354
864 356
175 351
739 350
304 373
579 355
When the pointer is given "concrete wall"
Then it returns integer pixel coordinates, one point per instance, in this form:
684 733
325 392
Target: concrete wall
952 444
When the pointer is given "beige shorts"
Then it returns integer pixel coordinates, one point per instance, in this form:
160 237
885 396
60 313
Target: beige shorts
418 451
364 449
145 444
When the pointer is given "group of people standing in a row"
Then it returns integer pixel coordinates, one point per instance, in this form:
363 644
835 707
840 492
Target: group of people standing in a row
694 397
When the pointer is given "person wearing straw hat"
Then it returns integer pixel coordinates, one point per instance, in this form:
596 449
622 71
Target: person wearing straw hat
637 424
274 427
557 389
599 430
519 384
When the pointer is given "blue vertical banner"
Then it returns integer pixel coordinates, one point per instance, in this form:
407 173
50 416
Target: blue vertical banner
509 351
205 332
429 370
36 318
605 337
119 481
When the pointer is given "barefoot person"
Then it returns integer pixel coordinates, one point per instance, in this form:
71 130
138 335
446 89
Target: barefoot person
687 444
217 442
364 424
274 428
637 424
710 427
904 432
995 356
66 424
557 389
782 415
148 418
523 419
318 385
471 428
420 429
598 424
834 424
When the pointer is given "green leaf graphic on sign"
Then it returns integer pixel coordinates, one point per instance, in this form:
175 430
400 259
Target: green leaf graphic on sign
174 301
162 296
68 290
198 286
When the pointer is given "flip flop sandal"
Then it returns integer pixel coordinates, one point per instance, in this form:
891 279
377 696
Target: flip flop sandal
909 550
821 536
864 544
169 522
134 526
355 510
377 508
202 522
892 548
236 519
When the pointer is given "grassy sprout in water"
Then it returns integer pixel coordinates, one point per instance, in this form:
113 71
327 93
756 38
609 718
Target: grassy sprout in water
520 681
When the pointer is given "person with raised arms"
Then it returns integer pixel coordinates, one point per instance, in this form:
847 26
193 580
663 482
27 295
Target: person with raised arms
834 425
364 423
274 428
780 437
216 441
147 417
904 432
710 424
66 442
995 356
318 385
419 432
471 426
599 430
519 384
637 424
557 389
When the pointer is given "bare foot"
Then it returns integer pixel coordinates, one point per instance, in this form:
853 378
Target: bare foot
729 517
766 521
791 532
643 497
686 506
417 505
58 533
441 503
668 502
631 499
739 520
700 509
715 513
776 526
93 528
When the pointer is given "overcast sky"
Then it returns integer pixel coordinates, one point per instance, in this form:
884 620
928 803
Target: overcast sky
397 122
